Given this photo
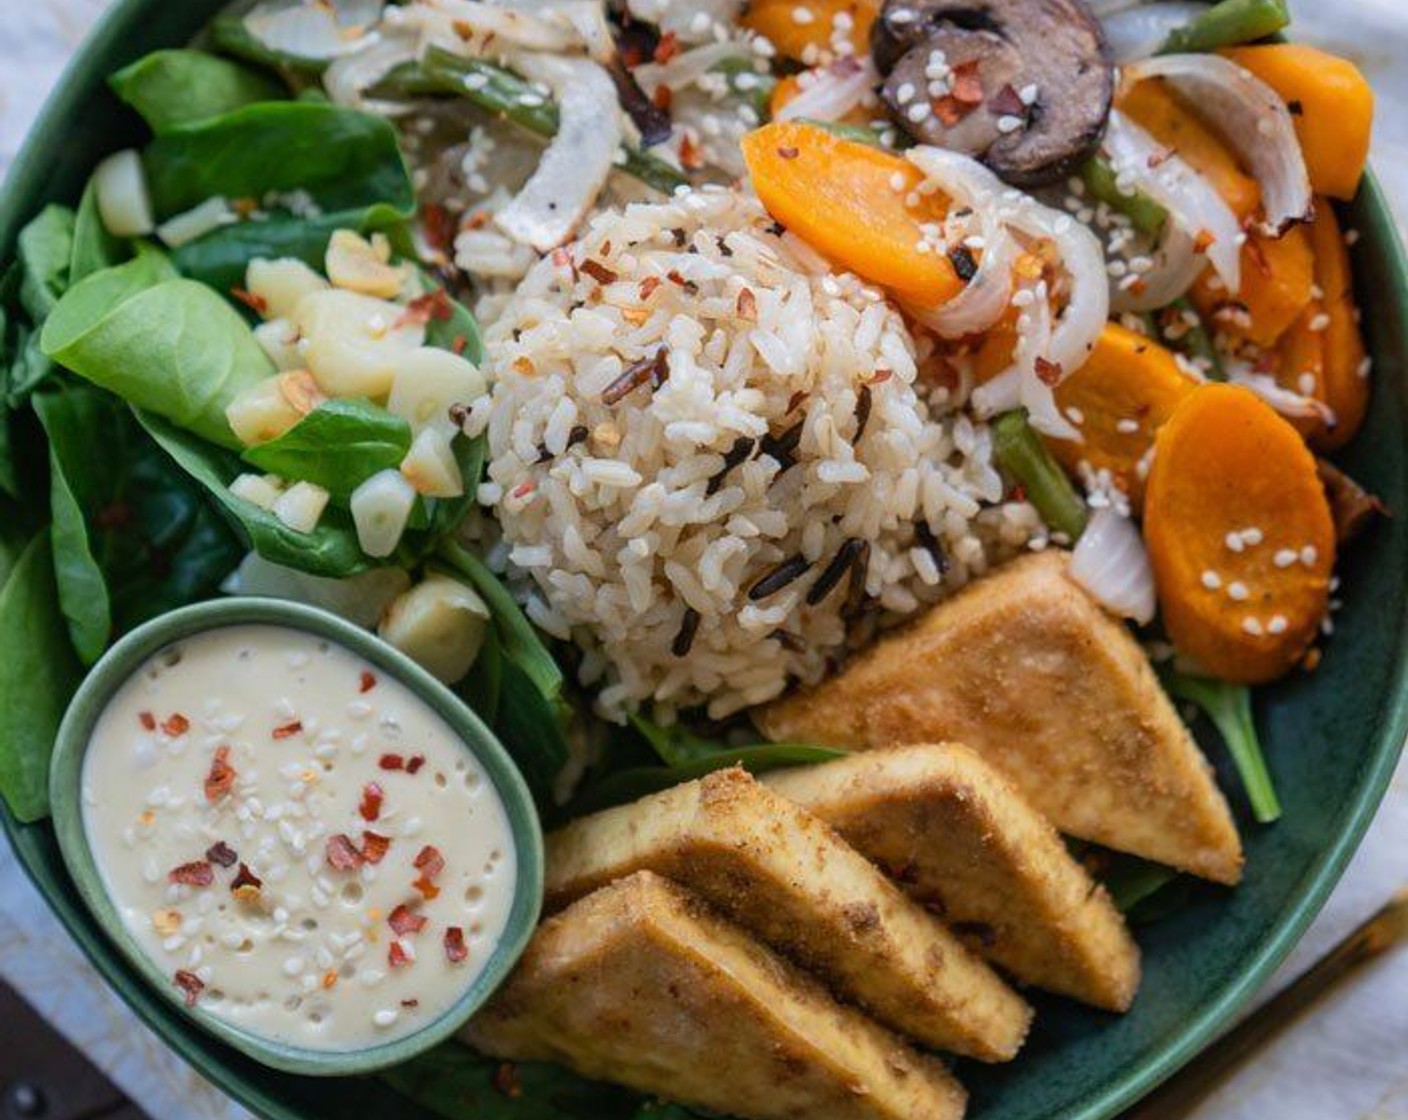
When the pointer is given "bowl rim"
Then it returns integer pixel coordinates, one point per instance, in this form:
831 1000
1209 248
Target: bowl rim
119 664
24 182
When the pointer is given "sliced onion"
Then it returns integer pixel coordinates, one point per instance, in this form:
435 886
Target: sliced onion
1254 120
124 199
831 92
1189 198
567 25
305 29
1177 266
1139 30
578 161
1111 563
1288 403
688 67
196 222
351 75
692 22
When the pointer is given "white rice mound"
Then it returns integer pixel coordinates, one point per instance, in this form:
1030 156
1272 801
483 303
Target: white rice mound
636 531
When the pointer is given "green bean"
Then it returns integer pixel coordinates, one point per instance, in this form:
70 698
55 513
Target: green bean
1229 706
1229 23
501 91
1021 453
1101 179
1195 342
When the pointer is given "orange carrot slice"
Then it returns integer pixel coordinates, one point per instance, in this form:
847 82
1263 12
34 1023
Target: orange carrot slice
1278 280
1346 384
1331 104
809 31
1240 536
1119 399
852 203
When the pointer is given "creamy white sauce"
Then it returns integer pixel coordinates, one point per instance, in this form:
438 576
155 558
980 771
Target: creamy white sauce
308 955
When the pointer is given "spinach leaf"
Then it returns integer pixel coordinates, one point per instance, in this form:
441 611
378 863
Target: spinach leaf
530 726
29 369
329 550
176 348
221 257
345 159
69 419
482 689
133 537
459 331
521 644
32 633
456 1083
631 785
9 470
45 251
172 88
338 446
94 248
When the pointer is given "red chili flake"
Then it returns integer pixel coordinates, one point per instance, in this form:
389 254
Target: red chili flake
375 846
1008 103
429 861
599 272
663 98
950 110
506 1080
648 287
459 344
1048 373
191 984
1161 157
366 682
1019 493
968 83
788 153
1203 242
795 401
421 310
175 725
222 855
414 763
746 305
410 1003
221 779
404 920
561 258
396 956
147 720
667 48
455 948
478 220
245 885
289 730
257 304
342 854
197 873
372 797
439 226
390 761
523 489
691 154
428 890
880 376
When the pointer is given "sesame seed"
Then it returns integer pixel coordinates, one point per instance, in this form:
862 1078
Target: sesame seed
385 1017
1233 541
803 16
897 181
1308 555
1285 557
917 113
1252 536
1211 580
1277 625
905 93
1237 592
1306 384
1251 626
1127 427
1008 124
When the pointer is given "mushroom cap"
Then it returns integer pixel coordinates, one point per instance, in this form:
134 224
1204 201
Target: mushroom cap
1065 72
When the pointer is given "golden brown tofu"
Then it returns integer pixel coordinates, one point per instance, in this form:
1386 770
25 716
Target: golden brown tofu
794 884
1027 670
959 839
639 983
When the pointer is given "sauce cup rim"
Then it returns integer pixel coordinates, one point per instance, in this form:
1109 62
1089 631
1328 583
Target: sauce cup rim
118 665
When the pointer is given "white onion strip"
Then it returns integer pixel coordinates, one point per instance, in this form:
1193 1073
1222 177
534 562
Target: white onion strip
1111 562
1287 402
830 93
1255 121
1191 201
1136 31
578 161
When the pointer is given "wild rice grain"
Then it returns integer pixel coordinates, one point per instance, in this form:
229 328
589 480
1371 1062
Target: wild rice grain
774 580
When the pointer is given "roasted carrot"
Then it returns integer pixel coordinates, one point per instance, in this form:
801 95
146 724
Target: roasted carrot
1278 280
1240 536
852 203
1331 103
1119 399
1345 378
807 31
1298 364
1158 110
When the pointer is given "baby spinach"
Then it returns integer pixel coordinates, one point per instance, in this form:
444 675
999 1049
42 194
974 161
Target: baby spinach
33 634
133 537
343 158
175 348
45 250
221 257
329 550
457 1083
630 785
338 446
172 88
94 248
457 331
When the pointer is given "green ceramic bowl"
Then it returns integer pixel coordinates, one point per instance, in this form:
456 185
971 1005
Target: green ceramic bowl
126 658
1334 738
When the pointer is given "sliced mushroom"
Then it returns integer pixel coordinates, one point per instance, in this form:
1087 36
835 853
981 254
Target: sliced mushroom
1024 85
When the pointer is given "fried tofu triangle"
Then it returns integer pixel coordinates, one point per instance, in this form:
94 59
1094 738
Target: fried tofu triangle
961 840
639 983
789 880
1027 670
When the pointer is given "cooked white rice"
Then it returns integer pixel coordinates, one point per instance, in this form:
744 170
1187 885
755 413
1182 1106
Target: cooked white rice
636 531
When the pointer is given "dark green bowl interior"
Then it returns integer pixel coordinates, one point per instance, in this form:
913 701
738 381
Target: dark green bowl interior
1333 738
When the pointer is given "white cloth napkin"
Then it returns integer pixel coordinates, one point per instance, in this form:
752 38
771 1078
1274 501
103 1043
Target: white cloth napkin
1348 1061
